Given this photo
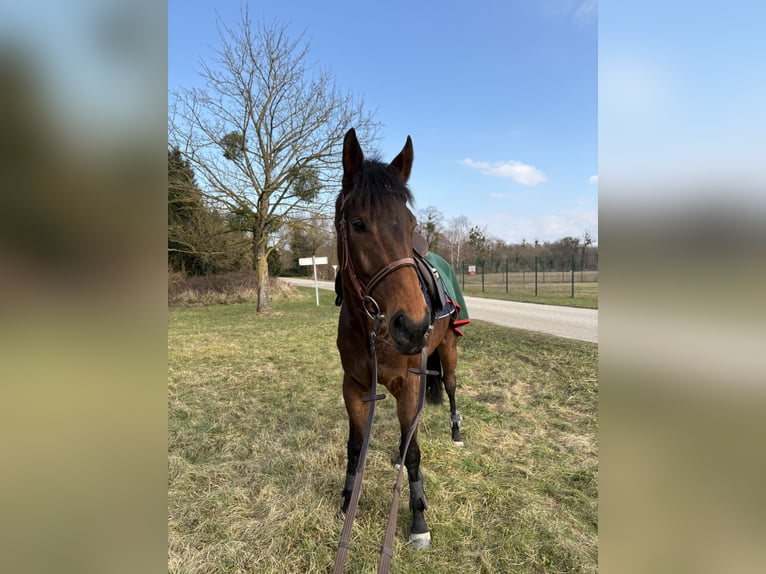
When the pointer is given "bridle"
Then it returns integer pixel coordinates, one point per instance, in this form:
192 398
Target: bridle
372 309
364 291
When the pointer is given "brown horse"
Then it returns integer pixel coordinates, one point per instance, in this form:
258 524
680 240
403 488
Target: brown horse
379 278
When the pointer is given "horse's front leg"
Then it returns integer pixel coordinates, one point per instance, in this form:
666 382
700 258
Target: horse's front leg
407 404
358 412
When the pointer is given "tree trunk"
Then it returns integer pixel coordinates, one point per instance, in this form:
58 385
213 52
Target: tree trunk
261 265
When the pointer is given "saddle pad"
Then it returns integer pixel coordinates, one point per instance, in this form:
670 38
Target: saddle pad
452 285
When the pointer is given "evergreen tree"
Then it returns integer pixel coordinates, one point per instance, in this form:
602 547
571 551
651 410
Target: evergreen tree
200 240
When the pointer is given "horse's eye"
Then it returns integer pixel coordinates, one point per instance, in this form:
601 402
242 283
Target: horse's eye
358 226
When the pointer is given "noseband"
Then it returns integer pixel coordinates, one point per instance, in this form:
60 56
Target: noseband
364 291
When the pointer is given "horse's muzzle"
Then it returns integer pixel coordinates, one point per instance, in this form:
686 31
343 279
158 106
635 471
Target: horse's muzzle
408 335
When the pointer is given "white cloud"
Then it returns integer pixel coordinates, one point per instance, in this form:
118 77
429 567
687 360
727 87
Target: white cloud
518 171
593 179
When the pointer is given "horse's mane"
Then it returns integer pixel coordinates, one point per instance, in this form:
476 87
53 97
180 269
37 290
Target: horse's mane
377 185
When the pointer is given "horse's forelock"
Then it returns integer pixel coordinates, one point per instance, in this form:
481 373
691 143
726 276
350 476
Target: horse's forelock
378 186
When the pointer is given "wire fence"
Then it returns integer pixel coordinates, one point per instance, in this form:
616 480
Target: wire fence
530 281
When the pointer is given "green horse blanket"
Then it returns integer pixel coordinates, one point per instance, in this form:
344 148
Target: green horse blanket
452 284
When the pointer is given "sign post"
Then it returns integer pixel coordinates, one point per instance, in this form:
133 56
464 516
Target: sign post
314 261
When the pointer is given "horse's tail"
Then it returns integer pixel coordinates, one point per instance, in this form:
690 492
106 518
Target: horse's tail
434 395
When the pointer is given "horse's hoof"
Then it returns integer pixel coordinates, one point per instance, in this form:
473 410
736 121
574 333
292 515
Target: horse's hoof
422 540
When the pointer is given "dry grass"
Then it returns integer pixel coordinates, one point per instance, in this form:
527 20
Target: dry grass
257 433
239 287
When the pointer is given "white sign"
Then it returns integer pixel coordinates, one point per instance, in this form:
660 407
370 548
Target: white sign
472 269
313 260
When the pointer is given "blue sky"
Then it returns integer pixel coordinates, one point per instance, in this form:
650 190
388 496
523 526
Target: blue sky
500 97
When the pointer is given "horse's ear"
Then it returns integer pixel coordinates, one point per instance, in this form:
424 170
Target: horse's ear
403 162
352 156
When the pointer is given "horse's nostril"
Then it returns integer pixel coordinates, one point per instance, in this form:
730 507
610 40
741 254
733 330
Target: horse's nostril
405 330
398 325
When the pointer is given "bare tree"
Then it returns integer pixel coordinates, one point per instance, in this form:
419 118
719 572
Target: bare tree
264 134
430 225
456 236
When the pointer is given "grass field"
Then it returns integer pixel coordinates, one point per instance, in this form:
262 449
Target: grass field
552 288
257 433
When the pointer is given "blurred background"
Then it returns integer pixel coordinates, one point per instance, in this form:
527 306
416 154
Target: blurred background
682 319
82 286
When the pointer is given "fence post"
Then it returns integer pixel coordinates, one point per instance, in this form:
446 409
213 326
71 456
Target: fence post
573 269
506 275
535 275
462 268
482 277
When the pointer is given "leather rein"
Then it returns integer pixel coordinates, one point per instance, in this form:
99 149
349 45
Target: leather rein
372 310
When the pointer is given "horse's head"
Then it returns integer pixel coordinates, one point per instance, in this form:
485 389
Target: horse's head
375 230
